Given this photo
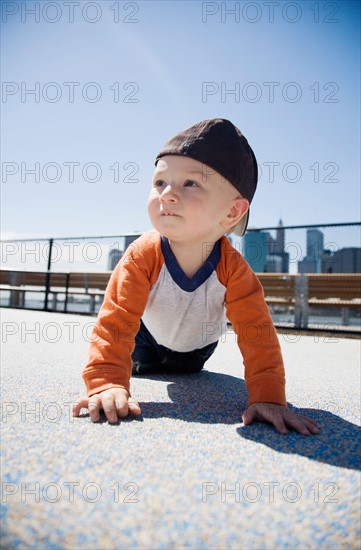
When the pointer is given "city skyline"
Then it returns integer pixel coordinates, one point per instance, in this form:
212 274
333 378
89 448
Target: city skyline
267 254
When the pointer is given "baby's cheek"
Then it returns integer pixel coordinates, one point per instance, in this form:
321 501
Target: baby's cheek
152 202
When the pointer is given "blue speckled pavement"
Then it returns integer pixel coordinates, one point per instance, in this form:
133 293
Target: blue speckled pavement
187 473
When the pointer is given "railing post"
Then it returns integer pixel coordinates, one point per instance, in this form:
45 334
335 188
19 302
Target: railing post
17 297
67 279
345 316
47 281
301 301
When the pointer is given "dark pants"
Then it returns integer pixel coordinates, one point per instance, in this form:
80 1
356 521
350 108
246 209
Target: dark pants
150 357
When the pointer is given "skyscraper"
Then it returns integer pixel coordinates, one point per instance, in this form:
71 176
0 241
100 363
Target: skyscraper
255 250
115 254
279 244
264 253
128 239
312 262
345 260
314 243
113 258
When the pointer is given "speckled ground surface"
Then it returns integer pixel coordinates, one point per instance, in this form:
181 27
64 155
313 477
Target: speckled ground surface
187 474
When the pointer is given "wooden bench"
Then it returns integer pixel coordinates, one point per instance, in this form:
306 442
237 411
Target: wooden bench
53 284
341 289
321 290
279 288
297 291
334 289
87 284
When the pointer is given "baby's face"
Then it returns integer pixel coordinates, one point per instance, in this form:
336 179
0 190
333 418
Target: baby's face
189 201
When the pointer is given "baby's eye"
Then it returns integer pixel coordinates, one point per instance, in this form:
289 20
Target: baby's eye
190 183
158 183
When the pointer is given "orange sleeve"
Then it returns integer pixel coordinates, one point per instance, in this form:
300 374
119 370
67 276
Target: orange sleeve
113 337
256 335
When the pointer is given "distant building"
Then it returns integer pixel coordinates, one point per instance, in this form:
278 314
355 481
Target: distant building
327 261
308 265
315 241
279 243
285 262
312 262
113 258
255 250
115 254
128 239
274 264
264 253
345 260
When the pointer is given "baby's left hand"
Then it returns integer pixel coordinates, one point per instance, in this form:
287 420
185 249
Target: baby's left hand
281 417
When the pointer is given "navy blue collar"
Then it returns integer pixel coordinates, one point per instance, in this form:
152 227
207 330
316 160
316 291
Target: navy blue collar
177 273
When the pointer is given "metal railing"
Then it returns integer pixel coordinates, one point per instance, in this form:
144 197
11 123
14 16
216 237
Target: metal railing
279 249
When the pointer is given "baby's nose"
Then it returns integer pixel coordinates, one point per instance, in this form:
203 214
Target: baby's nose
168 194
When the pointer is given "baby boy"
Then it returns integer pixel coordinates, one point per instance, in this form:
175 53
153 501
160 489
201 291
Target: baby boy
170 296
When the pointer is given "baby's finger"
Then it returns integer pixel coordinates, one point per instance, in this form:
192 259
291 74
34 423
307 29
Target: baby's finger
301 423
121 405
249 415
279 424
110 408
297 423
310 420
94 407
82 404
134 406
312 426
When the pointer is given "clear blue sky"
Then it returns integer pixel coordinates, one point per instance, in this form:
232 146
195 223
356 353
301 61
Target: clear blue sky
164 60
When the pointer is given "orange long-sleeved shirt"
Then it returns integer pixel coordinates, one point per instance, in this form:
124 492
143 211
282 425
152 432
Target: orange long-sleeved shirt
184 314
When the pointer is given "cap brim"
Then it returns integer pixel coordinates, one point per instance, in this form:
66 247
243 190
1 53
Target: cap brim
241 226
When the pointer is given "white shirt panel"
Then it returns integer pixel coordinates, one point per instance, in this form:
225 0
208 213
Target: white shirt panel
183 321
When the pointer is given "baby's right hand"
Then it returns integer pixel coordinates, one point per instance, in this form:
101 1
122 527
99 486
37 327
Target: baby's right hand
116 403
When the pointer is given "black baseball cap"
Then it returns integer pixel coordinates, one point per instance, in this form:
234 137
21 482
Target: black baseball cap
220 145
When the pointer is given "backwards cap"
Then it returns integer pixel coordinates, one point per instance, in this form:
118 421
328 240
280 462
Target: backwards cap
220 145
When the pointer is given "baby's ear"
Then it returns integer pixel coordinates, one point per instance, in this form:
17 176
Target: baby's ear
238 209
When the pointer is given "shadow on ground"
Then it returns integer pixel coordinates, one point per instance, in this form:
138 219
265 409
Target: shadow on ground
205 397
216 398
338 443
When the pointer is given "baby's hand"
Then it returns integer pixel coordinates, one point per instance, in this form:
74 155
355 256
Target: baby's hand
281 417
116 403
